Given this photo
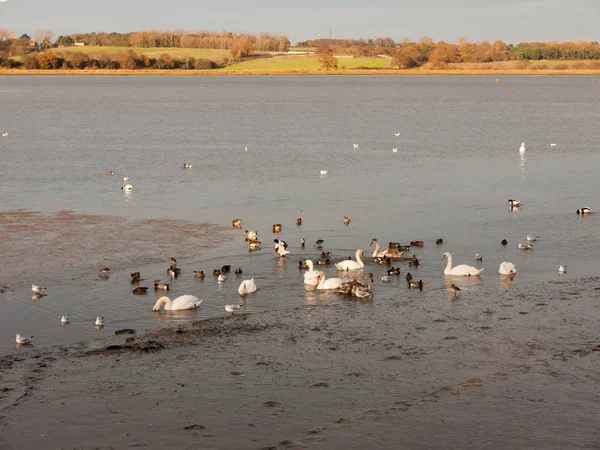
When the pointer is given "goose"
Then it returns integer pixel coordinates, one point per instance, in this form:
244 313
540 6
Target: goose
408 277
180 303
238 271
126 186
311 277
522 148
355 146
330 283
276 228
514 203
299 222
65 319
187 166
221 278
417 244
104 271
378 253
462 270
23 339
394 271
478 257
416 285
346 220
525 246
439 242
161 286
36 288
507 268
247 287
454 288
199 273
232 308
532 238
302 242
319 243
352 265
562 269
281 248
237 223
251 234
99 321
504 242
140 290
348 287
397 134
585 210
323 172
394 150
110 173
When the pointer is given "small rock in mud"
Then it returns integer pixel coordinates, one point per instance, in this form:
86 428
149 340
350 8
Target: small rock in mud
449 389
485 328
114 347
271 404
236 373
194 427
129 340
343 420
392 358
125 331
320 385
450 338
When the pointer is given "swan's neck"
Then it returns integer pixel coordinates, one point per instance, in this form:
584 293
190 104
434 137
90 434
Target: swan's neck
310 265
358 260
321 280
160 301
449 264
368 281
377 248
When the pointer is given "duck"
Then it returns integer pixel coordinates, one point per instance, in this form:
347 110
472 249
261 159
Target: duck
387 261
478 257
140 290
329 283
319 243
199 273
236 223
504 242
173 262
65 319
187 166
247 287
461 270
408 277
346 220
352 265
394 271
23 339
99 321
525 246
216 272
281 248
232 308
36 288
311 277
225 268
299 222
439 241
254 244
110 173
454 288
126 186
514 203
323 172
378 253
386 278
238 271
302 242
276 228
161 286
135 277
507 268
414 262
324 262
251 234
585 210
562 269
349 287
417 244
416 285
302 265
325 255
180 303
221 278
104 271
172 272
522 148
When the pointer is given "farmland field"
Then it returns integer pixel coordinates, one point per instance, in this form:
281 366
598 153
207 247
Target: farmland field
174 52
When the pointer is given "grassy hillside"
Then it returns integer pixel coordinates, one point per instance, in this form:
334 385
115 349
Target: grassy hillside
282 63
213 55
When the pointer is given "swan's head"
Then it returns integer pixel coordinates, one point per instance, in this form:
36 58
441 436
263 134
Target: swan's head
371 277
276 241
373 241
446 255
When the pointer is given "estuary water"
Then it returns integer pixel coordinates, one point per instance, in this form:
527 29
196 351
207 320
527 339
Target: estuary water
258 144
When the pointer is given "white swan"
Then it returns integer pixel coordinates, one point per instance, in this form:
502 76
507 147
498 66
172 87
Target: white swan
507 268
181 302
247 287
329 283
378 253
311 277
349 264
463 269
126 186
522 148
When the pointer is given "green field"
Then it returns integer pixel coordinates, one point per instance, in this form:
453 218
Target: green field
302 49
290 63
174 52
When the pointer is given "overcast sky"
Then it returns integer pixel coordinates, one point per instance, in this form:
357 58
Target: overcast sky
512 21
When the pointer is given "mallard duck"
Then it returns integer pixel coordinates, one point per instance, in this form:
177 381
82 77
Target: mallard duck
478 257
187 166
140 290
104 271
238 271
225 269
439 242
237 223
299 222
504 242
254 244
409 277
346 220
454 288
217 272
199 273
302 242
324 262
161 286
325 255
394 271
173 262
302 265
416 285
276 228
251 235
417 244
513 204
319 243
135 277
585 210
172 273
110 173
415 262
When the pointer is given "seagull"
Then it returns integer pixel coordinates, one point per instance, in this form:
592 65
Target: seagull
394 150
323 172
522 148
221 278
281 247
532 238
552 144
99 321
355 146
246 149
302 242
562 269
65 319
126 186
35 288
232 308
23 339
4 134
478 257
187 166
396 134
525 246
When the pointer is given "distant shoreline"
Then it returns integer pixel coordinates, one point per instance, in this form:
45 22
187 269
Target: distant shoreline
225 72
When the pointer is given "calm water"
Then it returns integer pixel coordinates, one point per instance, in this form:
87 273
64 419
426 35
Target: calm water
456 166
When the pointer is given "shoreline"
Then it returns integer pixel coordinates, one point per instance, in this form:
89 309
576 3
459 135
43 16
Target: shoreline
365 72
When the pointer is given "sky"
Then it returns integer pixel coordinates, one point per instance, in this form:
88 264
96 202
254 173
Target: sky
511 21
